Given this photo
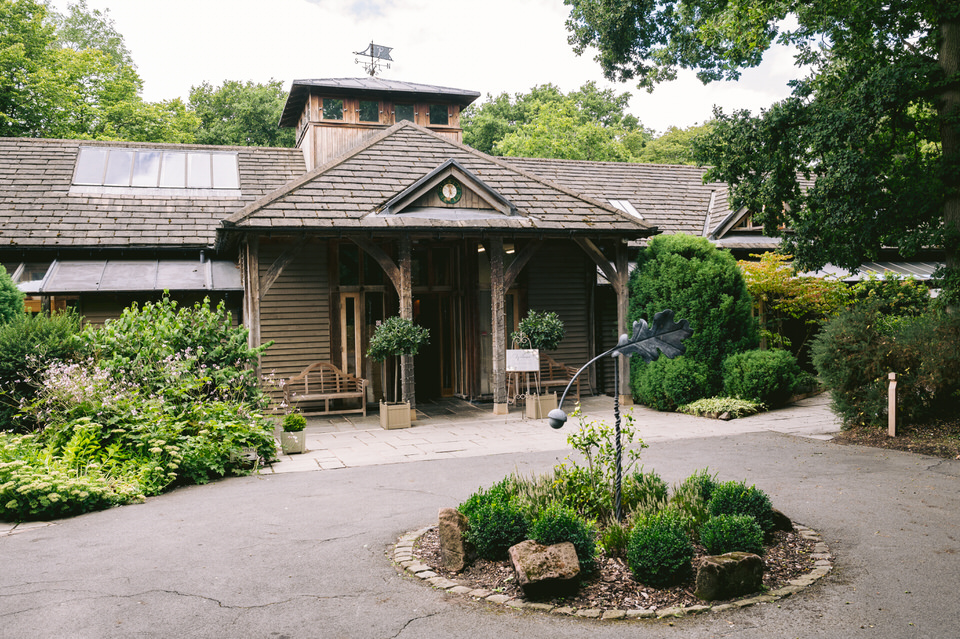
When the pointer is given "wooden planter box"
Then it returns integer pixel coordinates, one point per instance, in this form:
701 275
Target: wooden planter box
293 443
539 406
394 415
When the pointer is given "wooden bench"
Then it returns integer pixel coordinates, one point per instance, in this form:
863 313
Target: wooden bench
324 382
553 374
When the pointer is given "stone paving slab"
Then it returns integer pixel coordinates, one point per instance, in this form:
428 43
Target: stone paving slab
458 429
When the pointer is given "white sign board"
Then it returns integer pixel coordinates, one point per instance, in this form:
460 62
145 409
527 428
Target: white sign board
523 360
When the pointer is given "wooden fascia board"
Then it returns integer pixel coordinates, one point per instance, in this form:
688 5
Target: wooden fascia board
442 172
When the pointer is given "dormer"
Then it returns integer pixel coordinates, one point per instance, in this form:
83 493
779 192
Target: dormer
333 116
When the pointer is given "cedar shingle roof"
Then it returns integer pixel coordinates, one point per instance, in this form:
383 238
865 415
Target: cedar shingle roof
349 192
671 197
36 210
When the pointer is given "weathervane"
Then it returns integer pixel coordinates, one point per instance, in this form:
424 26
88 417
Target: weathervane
378 55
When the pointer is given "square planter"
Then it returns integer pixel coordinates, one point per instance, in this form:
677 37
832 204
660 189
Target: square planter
293 443
394 415
539 406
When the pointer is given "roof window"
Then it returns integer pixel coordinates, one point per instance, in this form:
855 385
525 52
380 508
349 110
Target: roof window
151 168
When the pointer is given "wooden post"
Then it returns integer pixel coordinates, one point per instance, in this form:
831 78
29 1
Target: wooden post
500 406
408 383
892 404
251 292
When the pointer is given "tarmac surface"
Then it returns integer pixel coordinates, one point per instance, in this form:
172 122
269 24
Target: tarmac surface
305 554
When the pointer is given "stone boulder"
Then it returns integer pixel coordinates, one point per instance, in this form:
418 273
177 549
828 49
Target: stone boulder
781 521
545 571
728 576
455 552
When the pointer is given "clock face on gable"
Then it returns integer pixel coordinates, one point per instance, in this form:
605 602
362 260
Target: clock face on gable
450 191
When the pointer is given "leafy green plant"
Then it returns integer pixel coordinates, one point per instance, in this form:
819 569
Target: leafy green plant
557 523
540 330
690 500
659 552
496 526
502 491
732 533
294 422
645 492
735 498
767 377
716 406
614 538
394 337
665 384
11 298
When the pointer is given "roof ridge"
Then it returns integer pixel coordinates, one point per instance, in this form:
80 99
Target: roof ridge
294 184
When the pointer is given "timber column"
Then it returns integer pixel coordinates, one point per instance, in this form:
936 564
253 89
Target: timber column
408 384
251 293
622 287
497 294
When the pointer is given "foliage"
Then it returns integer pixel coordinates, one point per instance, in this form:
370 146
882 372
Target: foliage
28 343
539 329
496 526
11 298
734 498
589 123
659 552
644 492
690 500
557 524
703 285
615 537
856 351
716 406
502 491
294 423
766 377
665 384
890 295
779 295
241 114
732 533
396 336
673 146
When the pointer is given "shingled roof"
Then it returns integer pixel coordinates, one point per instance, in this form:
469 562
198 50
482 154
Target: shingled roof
38 211
671 197
350 193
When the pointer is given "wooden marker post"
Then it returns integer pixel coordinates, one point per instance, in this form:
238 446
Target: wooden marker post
892 404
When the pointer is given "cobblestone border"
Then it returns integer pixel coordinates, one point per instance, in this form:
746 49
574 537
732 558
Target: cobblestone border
403 557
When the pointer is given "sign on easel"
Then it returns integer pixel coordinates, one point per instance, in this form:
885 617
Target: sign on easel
523 360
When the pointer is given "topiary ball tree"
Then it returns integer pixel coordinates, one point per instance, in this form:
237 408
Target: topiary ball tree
700 284
396 336
539 329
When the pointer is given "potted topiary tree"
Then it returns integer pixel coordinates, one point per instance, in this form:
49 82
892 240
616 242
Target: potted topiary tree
292 438
541 331
395 337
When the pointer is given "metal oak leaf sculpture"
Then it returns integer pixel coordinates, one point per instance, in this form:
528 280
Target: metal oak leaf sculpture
662 336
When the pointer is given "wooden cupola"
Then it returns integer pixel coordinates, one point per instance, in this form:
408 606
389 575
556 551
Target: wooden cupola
334 115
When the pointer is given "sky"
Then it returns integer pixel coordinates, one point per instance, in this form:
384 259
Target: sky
490 46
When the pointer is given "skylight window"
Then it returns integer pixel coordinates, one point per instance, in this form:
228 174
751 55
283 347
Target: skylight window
626 207
150 168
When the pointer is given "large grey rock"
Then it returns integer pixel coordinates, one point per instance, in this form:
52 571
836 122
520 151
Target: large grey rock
455 552
544 571
727 576
781 521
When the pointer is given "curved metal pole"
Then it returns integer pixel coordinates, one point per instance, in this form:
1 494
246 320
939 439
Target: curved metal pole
557 417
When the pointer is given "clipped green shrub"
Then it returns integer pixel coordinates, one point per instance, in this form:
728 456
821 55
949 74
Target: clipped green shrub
557 524
703 285
768 377
294 423
659 552
495 527
645 492
500 492
11 298
665 384
28 344
731 533
735 498
539 329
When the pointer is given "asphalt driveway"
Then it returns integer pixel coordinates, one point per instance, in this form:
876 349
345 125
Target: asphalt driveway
304 554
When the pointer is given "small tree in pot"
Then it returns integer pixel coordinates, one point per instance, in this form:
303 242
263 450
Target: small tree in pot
395 337
543 331
292 438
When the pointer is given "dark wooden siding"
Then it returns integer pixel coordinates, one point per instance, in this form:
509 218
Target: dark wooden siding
560 278
295 312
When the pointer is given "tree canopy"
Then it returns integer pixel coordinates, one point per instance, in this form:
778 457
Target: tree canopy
874 124
586 124
241 114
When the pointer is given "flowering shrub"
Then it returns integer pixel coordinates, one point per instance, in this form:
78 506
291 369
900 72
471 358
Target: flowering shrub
162 396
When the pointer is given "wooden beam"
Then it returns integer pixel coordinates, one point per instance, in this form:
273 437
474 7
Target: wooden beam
600 260
386 263
497 294
622 288
405 292
519 262
251 292
286 258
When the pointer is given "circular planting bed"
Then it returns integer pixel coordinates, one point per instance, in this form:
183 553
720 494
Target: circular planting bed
793 561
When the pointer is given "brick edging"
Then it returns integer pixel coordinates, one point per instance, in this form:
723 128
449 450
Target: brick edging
403 557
